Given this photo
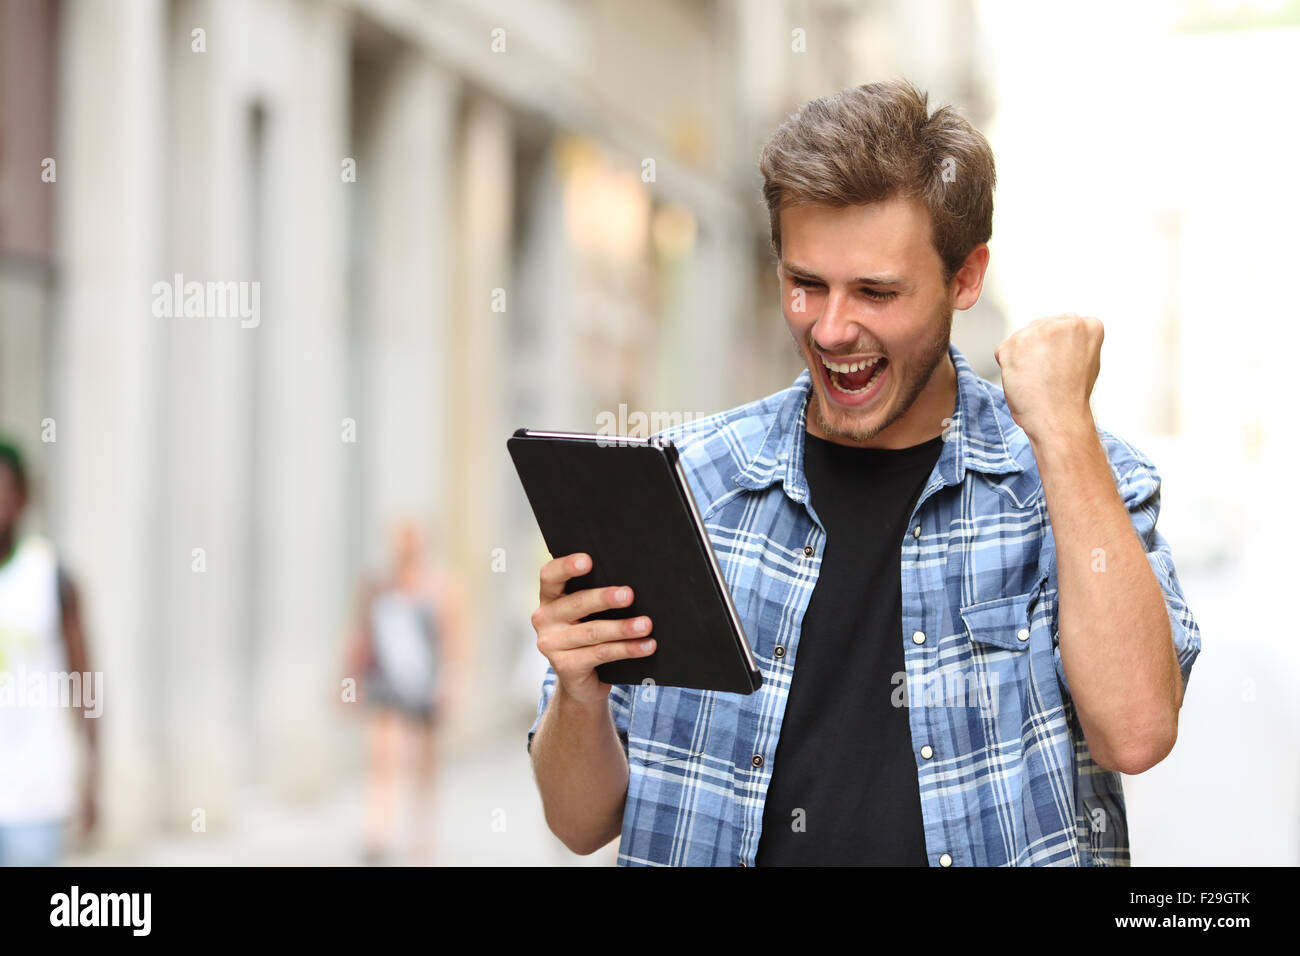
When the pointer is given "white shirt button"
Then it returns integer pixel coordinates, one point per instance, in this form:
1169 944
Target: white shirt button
918 637
1022 634
916 532
927 751
945 860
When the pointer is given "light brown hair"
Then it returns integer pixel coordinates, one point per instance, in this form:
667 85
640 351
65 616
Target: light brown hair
873 142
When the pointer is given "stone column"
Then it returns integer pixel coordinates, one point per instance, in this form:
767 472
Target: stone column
481 380
409 316
105 463
300 502
208 414
706 336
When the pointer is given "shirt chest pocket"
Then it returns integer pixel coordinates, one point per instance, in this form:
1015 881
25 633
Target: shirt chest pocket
1006 636
1002 623
668 724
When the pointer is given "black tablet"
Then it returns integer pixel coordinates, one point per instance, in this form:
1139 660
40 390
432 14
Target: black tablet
626 502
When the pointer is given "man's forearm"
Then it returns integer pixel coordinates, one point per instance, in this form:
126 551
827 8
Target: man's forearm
581 772
1116 647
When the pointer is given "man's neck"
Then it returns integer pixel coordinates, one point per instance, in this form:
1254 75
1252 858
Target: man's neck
935 405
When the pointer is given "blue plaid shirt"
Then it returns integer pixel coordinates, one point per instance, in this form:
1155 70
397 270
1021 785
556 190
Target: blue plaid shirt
1005 775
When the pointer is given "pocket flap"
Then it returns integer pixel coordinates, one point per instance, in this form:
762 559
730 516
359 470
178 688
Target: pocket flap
1003 622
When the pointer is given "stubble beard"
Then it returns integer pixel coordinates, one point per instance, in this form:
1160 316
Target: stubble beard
913 385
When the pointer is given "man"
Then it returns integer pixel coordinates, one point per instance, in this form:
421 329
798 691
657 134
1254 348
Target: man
41 642
967 623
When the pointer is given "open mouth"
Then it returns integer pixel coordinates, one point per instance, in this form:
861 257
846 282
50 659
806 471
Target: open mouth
858 380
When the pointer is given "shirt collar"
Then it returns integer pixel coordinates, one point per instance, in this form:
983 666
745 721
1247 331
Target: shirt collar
975 440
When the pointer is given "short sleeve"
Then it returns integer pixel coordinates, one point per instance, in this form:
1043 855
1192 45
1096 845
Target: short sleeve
620 707
1138 483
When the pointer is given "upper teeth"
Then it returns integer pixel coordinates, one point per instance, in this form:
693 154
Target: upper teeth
855 367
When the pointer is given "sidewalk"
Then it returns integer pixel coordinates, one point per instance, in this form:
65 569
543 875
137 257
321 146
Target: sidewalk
489 815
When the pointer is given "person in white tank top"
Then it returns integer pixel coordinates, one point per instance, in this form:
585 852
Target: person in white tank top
41 645
409 649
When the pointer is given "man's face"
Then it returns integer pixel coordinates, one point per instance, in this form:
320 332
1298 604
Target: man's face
861 283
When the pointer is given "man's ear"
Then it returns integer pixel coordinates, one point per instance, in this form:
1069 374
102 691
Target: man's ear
969 280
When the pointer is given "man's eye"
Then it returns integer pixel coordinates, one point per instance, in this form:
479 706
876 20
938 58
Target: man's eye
871 293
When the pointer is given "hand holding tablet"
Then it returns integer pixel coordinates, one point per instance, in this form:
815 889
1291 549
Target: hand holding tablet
576 646
626 505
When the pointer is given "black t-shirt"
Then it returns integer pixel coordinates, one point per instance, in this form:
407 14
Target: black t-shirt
844 786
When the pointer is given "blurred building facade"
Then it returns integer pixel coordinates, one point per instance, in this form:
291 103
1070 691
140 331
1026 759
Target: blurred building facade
461 218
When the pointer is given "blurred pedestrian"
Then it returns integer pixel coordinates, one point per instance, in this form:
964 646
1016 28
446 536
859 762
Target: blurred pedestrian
408 644
42 648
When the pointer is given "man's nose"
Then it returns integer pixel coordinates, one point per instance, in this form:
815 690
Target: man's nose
835 328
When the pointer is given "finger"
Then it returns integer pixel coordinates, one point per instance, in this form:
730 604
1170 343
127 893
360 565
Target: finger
558 570
571 608
587 659
591 633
